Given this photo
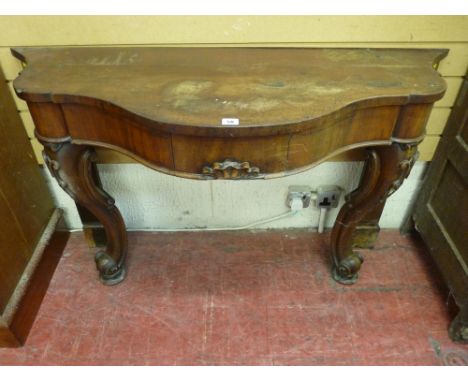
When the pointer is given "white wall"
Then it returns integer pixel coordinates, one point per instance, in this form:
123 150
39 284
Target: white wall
150 200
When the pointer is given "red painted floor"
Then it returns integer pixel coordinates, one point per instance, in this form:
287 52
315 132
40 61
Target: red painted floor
263 298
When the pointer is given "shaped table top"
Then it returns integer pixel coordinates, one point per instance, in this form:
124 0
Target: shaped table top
235 86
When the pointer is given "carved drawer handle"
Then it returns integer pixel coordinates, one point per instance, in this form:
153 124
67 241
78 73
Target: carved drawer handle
231 169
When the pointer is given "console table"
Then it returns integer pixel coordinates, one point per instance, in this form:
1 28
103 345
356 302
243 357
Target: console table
230 113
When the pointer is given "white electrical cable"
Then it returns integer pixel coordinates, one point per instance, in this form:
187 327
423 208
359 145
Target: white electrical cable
321 224
247 226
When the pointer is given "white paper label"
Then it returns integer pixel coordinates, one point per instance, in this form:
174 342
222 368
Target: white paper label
230 121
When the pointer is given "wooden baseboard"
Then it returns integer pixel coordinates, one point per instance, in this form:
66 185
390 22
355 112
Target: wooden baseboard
16 325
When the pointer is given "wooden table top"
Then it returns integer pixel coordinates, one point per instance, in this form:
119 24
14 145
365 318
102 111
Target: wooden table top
257 86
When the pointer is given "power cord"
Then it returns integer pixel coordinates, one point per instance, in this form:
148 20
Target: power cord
247 226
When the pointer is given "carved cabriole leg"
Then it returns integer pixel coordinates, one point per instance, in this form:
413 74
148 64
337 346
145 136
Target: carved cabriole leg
386 168
72 166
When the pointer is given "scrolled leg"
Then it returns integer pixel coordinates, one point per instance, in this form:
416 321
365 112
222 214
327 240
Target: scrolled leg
386 168
72 167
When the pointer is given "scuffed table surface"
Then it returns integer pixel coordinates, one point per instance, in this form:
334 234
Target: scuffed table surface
258 86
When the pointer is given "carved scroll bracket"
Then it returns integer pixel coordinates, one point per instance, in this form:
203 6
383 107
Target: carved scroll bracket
72 166
411 155
49 154
386 169
231 169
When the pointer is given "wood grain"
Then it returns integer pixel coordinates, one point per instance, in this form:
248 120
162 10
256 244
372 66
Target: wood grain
441 209
16 333
26 208
25 202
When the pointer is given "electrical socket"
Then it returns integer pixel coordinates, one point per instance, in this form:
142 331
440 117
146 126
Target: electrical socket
328 196
303 193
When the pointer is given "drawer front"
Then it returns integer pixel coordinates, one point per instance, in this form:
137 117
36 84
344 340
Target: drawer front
249 157
90 124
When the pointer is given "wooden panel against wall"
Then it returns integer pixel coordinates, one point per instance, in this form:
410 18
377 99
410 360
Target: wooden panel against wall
16 256
454 65
437 120
25 202
81 30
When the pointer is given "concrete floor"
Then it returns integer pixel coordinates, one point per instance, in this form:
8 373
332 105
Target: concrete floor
243 298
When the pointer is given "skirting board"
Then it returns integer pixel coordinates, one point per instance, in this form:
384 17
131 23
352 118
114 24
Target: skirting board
19 315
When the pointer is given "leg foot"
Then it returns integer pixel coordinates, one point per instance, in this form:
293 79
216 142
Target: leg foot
346 271
110 272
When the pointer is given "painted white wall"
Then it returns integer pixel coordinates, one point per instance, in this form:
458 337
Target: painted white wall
150 200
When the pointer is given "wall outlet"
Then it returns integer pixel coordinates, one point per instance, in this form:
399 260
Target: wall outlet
302 193
328 196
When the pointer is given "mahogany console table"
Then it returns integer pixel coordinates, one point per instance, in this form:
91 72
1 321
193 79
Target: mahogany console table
230 113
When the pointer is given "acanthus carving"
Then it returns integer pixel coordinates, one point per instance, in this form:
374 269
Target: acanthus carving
411 155
231 169
49 154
